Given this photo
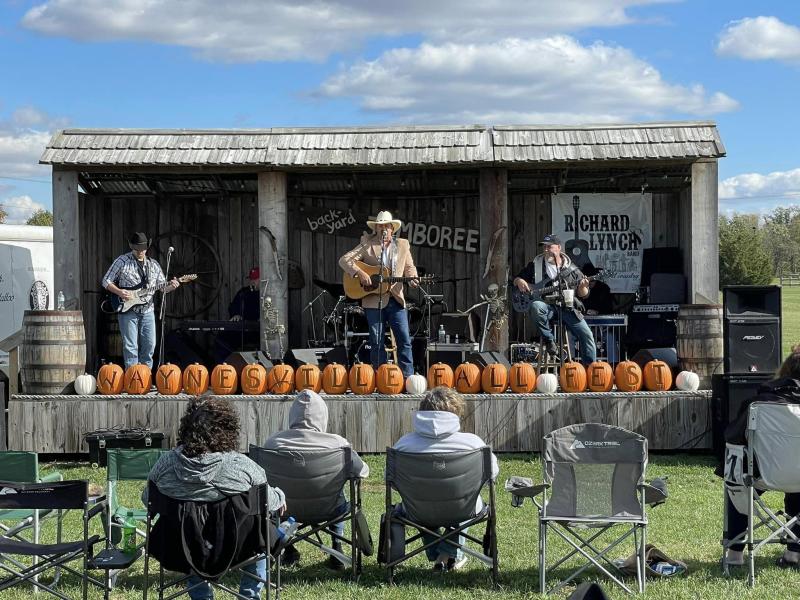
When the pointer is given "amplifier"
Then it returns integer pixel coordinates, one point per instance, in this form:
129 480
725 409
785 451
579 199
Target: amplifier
528 353
99 441
652 326
655 308
451 354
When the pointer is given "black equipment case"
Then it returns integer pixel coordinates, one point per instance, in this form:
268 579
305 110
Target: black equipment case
99 441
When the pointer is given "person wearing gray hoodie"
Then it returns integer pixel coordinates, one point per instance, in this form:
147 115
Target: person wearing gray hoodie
437 428
308 430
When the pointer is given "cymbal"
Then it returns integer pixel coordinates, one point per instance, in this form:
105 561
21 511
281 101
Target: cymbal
334 289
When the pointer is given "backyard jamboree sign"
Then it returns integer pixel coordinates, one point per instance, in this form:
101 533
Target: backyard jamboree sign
618 227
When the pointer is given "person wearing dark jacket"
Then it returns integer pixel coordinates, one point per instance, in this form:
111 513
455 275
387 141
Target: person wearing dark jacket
784 389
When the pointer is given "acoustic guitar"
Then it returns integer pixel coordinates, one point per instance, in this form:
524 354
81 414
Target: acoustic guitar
521 301
118 305
354 290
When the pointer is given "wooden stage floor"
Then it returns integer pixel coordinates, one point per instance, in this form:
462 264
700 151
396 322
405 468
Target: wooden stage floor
508 422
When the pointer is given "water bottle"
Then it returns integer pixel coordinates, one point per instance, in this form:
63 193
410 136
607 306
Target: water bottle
129 534
287 528
442 334
60 304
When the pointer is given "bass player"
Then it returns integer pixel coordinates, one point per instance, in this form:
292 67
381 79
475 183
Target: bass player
381 246
551 266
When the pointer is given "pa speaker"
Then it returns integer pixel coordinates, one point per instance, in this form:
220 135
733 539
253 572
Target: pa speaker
751 301
752 345
660 260
320 357
728 393
668 355
651 330
489 358
239 360
667 288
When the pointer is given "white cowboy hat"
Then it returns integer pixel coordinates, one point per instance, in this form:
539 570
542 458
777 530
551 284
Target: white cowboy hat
384 217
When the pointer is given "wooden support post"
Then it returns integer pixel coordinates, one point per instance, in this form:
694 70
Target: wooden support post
494 263
273 249
702 232
66 240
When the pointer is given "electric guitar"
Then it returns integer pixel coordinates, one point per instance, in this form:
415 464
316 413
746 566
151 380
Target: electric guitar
355 290
577 249
521 301
118 305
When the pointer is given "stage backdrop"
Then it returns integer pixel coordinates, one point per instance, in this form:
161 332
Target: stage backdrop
618 228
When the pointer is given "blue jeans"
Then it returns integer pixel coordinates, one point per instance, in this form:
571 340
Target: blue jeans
138 337
543 313
443 547
397 318
249 587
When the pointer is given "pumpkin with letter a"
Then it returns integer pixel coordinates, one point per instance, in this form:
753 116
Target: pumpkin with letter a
85 385
467 378
195 379
628 376
362 379
224 380
280 380
494 379
138 379
168 379
416 384
522 378
440 374
599 377
334 379
547 383
254 379
572 377
657 376
110 379
389 379
308 377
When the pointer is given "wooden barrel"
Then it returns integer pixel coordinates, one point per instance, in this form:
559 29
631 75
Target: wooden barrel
53 351
700 347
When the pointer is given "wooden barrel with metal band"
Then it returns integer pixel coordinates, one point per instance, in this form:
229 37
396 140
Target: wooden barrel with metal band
699 345
53 351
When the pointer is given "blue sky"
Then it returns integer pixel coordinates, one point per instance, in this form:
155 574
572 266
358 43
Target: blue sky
265 63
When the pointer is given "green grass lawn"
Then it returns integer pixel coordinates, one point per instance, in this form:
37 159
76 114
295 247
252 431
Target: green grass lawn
791 317
686 528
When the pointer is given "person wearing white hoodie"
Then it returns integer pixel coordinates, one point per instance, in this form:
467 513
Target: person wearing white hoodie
437 428
308 430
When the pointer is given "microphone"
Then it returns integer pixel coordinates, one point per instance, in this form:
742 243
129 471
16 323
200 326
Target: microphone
384 234
170 249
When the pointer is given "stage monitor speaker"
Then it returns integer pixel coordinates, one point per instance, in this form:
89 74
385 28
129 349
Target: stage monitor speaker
752 345
660 260
728 392
751 301
320 357
239 360
457 324
645 355
667 288
489 358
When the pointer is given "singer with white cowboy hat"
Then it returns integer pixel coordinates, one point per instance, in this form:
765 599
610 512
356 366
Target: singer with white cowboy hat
382 244
135 272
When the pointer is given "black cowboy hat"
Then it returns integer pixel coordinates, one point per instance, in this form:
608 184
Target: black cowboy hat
139 241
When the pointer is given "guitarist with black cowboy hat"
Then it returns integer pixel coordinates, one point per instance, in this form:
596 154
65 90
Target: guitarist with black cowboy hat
133 272
550 267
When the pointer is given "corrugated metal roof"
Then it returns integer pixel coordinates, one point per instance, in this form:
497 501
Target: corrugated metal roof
394 146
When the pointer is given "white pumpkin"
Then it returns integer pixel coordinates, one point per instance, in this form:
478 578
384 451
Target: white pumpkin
547 383
688 381
85 385
416 384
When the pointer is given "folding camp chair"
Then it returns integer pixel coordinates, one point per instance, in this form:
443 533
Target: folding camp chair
440 490
313 483
768 463
55 496
190 547
593 484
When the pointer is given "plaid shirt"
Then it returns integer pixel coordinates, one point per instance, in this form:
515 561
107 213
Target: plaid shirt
125 274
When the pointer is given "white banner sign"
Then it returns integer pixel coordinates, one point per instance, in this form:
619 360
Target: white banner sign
618 227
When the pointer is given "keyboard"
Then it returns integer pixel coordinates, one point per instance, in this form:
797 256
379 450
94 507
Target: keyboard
192 325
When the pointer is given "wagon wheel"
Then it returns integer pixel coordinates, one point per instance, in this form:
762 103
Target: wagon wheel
192 254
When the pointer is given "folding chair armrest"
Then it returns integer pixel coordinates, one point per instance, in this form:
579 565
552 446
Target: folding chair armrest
100 506
51 477
655 492
523 487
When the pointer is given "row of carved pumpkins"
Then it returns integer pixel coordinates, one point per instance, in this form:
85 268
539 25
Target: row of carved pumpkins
468 378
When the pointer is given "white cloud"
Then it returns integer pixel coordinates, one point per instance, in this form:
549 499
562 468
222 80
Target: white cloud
23 137
760 38
19 209
279 30
551 79
756 192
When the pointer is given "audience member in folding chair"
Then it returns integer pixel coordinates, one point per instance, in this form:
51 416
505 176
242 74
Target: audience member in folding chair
439 473
763 443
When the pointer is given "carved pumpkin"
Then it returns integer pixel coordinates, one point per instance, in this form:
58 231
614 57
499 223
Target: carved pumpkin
688 381
362 379
494 379
224 380
280 380
390 379
467 378
334 379
85 385
308 377
195 379
547 383
254 379
168 379
572 377
138 379
416 384
110 379
522 378
628 376
657 376
599 377
440 374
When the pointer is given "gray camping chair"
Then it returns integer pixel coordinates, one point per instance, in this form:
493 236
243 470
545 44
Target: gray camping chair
768 463
439 490
593 485
313 482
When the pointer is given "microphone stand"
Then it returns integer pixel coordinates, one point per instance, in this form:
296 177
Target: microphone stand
313 325
163 310
380 340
